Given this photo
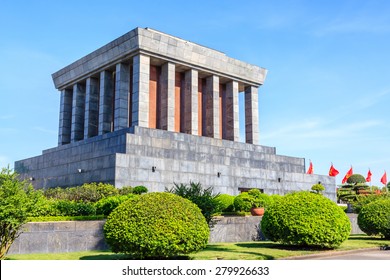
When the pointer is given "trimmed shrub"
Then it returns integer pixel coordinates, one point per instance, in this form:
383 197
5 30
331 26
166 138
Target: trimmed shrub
243 202
106 205
203 198
253 198
306 219
356 179
225 202
374 218
156 225
140 190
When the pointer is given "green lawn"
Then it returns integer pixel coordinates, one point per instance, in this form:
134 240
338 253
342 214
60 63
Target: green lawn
259 250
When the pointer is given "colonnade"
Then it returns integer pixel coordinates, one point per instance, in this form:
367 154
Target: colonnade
164 96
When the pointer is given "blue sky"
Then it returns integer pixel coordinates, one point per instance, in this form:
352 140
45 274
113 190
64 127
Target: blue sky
326 97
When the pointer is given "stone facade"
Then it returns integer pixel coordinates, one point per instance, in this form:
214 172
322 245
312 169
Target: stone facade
153 109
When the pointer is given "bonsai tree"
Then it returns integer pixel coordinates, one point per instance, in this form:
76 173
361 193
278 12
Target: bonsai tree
318 188
356 184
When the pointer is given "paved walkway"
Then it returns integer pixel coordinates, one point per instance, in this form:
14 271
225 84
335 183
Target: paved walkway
362 254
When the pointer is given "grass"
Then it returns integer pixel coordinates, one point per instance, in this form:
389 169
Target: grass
259 250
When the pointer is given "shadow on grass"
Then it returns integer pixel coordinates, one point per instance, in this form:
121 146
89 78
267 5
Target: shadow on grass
219 248
281 246
365 238
129 257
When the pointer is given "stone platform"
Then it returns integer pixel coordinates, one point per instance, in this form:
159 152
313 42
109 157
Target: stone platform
157 159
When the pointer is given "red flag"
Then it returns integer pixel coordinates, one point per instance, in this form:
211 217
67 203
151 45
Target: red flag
384 179
310 170
369 174
349 174
333 171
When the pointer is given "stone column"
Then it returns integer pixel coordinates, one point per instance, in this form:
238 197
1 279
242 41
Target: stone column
191 102
105 102
251 115
232 112
78 113
168 96
122 88
212 107
91 108
65 123
140 94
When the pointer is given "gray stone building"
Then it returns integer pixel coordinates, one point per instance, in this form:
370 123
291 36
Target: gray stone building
152 109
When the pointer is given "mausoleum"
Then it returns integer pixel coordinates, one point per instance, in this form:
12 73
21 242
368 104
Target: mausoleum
152 109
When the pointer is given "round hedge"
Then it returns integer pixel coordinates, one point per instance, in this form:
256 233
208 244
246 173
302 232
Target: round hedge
156 225
306 219
374 218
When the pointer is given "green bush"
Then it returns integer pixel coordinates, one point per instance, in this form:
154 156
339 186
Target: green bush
140 190
306 219
72 208
17 200
253 198
203 198
156 225
243 202
225 202
107 204
374 218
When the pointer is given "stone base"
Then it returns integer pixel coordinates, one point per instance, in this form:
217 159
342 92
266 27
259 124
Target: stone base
158 158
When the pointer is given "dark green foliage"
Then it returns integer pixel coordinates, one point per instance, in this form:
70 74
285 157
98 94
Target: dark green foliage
356 179
225 203
203 198
306 219
90 192
362 200
72 208
17 200
140 190
107 204
374 218
156 225
318 188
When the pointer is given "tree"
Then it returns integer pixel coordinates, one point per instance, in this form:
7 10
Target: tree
17 199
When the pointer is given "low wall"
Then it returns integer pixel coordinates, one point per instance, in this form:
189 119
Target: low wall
56 237
73 236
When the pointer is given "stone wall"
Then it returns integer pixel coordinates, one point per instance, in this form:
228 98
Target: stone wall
56 237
